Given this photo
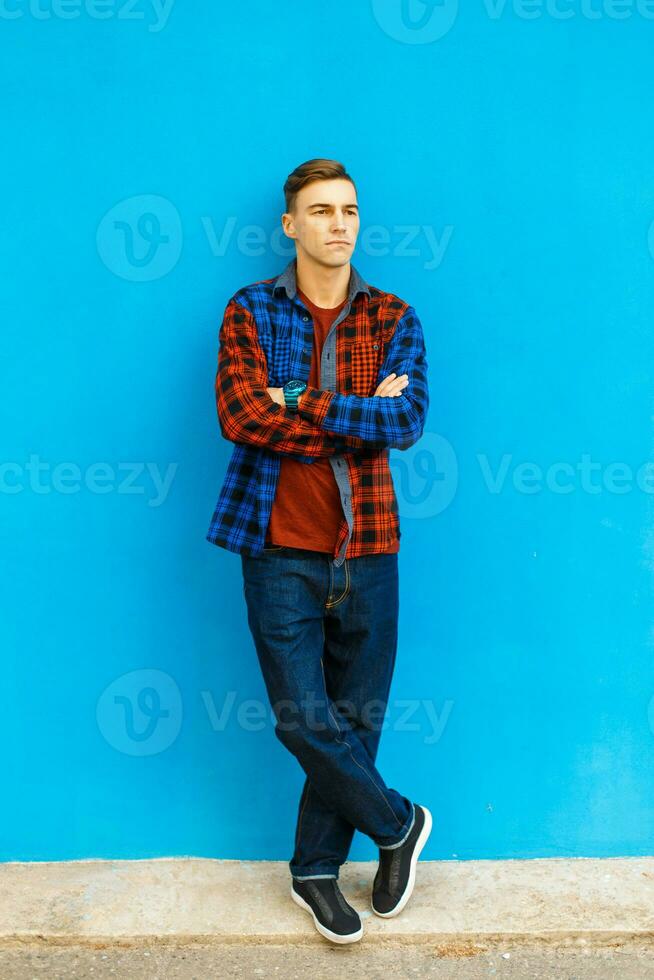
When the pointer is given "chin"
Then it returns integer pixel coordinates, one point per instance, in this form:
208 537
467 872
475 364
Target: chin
337 260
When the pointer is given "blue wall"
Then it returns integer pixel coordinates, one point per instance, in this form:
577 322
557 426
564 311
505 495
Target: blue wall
504 161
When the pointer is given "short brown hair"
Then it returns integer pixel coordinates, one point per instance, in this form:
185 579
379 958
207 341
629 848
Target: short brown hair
318 169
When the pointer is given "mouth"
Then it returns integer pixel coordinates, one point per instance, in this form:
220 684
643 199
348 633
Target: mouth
338 243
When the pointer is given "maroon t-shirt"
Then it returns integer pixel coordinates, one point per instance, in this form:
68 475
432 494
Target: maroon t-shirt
307 509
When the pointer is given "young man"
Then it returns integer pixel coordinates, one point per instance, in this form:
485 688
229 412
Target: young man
319 375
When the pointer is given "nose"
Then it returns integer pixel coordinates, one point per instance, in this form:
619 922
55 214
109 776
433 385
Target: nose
339 222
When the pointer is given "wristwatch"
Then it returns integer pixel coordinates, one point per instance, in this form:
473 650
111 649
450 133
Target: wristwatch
292 391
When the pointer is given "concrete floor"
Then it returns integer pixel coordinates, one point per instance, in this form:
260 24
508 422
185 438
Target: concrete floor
239 901
630 961
565 919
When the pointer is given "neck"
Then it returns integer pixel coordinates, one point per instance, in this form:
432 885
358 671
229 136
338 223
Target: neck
325 286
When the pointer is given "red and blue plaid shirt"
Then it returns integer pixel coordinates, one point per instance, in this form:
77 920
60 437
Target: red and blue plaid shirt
266 339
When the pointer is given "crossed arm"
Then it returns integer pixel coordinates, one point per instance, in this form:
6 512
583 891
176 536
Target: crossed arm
395 422
327 422
246 411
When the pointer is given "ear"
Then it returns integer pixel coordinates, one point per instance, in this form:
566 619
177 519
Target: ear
288 225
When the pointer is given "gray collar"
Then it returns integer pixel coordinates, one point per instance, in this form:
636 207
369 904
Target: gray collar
288 281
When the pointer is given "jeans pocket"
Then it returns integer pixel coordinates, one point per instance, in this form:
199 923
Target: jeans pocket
273 547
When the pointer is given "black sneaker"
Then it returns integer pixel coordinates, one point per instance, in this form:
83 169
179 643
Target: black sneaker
332 916
396 874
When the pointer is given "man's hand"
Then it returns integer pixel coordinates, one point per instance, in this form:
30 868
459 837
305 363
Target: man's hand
390 387
277 395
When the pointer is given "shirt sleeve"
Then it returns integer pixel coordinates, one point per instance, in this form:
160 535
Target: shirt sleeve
247 413
392 422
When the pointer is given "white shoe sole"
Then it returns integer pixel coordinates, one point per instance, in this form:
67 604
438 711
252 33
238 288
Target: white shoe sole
352 937
422 840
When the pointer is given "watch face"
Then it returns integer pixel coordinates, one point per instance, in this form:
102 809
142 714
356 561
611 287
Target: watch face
292 386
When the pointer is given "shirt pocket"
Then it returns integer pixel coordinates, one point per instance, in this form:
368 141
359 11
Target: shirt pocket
363 359
276 345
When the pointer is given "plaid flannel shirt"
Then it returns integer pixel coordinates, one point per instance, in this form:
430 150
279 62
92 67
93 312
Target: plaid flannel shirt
266 338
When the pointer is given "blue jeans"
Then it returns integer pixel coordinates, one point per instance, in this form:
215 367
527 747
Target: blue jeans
326 639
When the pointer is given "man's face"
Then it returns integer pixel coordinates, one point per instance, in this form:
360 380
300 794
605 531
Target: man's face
325 221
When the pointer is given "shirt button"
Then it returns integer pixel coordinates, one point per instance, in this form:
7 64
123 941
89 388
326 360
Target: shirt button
375 346
306 319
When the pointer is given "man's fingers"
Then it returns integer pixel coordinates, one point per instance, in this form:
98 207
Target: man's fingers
388 389
392 379
390 392
392 385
